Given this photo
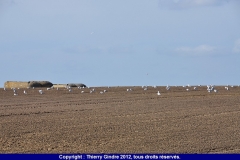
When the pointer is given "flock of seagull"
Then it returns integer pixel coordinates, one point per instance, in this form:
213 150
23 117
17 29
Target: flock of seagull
210 88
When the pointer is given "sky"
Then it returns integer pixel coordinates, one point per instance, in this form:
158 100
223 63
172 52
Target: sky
120 42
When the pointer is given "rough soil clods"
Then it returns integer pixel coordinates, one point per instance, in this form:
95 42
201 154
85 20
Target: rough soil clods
117 121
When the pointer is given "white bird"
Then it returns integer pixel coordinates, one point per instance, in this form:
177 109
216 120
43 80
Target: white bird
40 92
226 88
194 88
70 90
33 88
145 89
15 94
82 91
127 90
187 89
101 92
158 93
105 91
91 91
24 92
57 88
4 89
215 90
168 87
48 88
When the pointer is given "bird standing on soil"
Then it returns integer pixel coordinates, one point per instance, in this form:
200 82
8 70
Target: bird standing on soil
15 94
168 87
158 93
40 91
24 92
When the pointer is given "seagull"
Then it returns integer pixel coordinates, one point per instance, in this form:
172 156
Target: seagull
70 90
48 88
24 92
158 93
82 91
57 88
168 87
101 92
105 91
187 89
4 89
40 91
15 94
215 90
145 89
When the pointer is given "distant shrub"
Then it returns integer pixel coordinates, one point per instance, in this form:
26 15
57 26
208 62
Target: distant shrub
76 85
40 84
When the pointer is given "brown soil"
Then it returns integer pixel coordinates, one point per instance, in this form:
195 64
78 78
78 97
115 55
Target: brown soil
118 121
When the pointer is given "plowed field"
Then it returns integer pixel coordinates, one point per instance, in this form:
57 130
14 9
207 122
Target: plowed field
117 121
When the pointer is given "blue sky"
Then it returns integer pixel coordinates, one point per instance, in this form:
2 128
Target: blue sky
120 42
